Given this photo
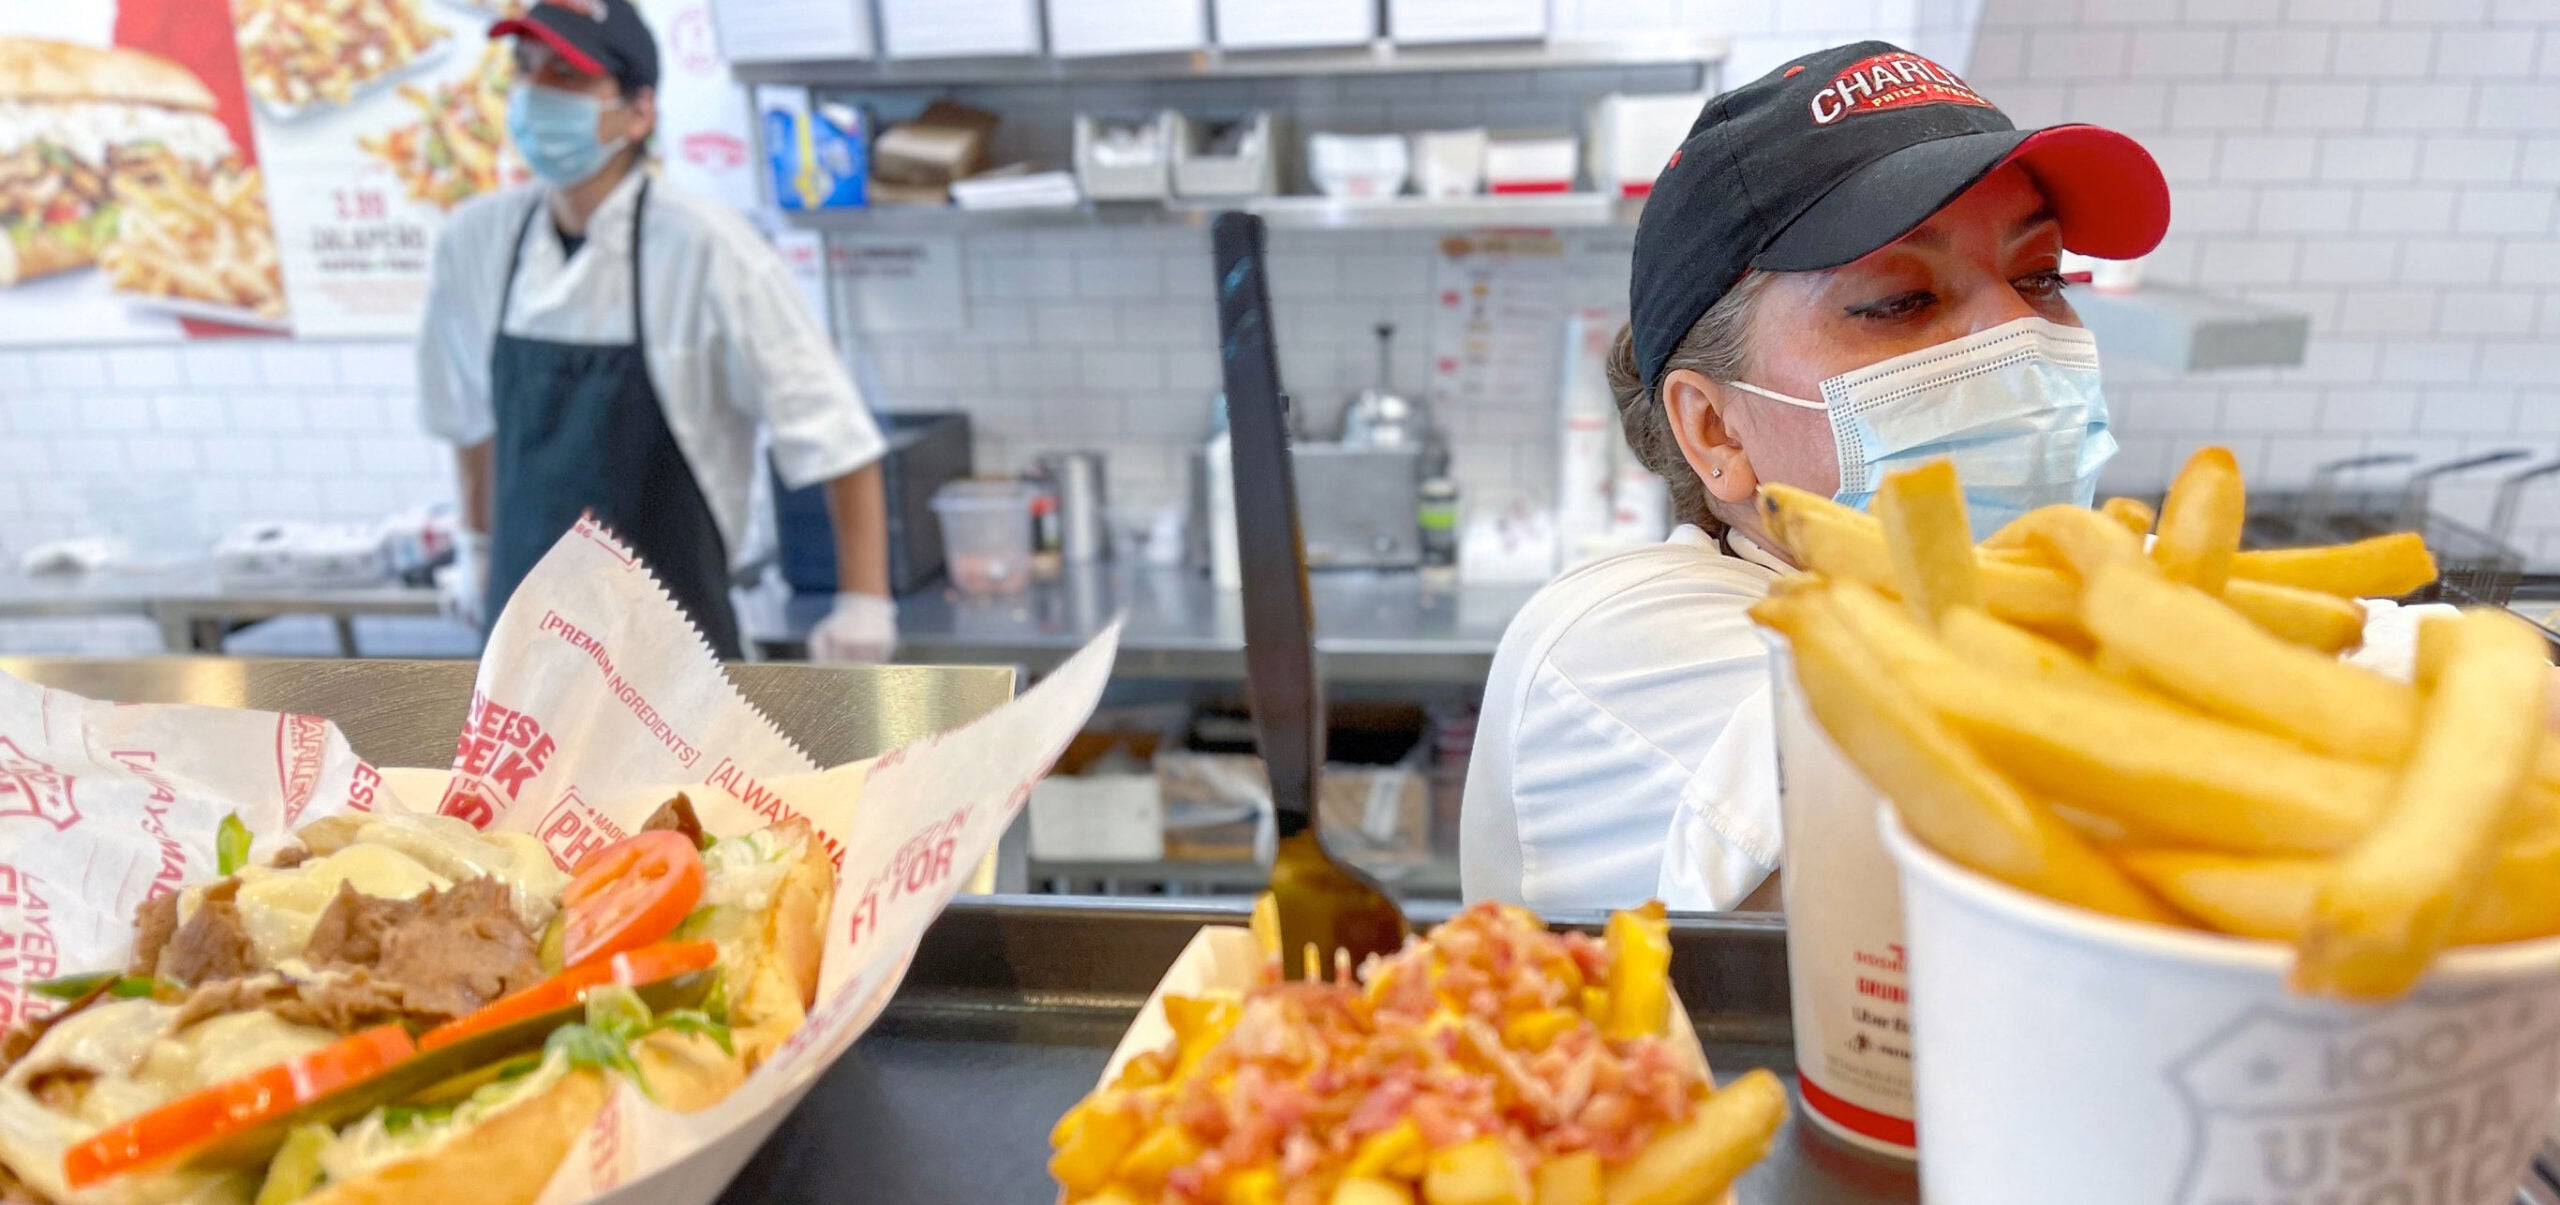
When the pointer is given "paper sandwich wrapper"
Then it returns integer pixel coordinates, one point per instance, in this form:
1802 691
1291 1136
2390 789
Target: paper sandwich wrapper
1226 960
595 700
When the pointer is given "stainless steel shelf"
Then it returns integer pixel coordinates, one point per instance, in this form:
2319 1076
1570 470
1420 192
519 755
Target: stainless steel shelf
1281 213
1377 58
2193 331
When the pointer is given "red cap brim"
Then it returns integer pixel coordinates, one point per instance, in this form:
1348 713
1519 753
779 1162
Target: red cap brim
2108 191
559 43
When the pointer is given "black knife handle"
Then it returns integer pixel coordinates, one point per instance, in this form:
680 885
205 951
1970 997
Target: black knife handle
1279 621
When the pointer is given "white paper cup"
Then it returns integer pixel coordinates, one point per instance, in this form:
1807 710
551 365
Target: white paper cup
2066 1056
1844 933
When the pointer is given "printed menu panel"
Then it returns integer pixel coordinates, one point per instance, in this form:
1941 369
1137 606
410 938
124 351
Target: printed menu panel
171 168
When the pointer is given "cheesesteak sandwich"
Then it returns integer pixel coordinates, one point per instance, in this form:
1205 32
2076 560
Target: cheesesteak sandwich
73 119
401 1008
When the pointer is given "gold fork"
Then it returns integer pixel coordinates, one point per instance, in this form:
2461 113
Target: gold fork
1332 917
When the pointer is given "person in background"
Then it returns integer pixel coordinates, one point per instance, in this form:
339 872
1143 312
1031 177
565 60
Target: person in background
597 342
1851 266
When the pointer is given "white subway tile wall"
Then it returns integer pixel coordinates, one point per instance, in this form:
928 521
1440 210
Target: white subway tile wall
2386 166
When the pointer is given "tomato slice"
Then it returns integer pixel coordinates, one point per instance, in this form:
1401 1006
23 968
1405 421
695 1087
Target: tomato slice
629 894
200 1117
648 964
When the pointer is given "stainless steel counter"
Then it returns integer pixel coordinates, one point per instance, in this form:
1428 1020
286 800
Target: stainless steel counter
1013 1005
1370 626
193 606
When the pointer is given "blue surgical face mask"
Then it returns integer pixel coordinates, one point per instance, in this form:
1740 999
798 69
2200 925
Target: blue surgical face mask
555 131
2016 407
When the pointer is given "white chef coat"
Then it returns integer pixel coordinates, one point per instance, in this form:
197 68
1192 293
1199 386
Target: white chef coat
1625 748
730 340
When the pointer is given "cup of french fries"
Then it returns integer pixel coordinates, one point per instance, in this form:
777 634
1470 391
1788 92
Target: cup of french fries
2194 910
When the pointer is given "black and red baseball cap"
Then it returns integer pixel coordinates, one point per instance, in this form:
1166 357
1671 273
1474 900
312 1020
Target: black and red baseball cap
1840 152
599 37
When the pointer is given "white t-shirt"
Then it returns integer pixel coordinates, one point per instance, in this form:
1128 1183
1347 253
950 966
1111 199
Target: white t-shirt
731 343
1625 748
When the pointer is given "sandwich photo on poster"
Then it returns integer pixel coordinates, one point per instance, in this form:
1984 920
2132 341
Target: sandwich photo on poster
130 190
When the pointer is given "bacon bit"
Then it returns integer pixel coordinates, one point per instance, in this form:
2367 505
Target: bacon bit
1310 1069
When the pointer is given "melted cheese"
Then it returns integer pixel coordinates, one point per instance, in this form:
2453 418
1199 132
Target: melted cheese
280 907
140 1064
396 856
454 849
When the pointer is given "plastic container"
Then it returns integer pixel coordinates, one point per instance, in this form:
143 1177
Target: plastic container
986 534
2067 1056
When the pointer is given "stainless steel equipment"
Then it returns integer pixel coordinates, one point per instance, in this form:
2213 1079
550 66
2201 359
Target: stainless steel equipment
1379 417
1084 533
407 713
1359 505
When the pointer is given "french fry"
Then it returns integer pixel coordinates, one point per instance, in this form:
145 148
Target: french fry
1921 512
1829 538
2200 651
1731 1131
2385 566
2082 540
2394 898
1945 792
2271 898
2308 618
2200 521
2134 514
1476 1172
2009 649
2180 778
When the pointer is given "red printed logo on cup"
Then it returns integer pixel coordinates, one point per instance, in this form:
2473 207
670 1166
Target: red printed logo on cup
571 830
1890 81
300 742
27 952
30 786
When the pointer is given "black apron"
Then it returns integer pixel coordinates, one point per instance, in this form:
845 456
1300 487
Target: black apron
580 430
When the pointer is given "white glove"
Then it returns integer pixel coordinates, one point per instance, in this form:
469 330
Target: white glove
862 628
462 588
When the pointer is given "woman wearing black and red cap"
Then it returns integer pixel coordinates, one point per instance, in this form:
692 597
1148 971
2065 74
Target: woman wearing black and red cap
1851 265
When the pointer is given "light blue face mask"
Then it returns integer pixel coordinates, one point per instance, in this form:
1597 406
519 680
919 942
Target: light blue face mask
555 131
2016 407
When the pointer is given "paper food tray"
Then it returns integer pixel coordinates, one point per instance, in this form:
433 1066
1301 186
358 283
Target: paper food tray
434 54
595 700
1226 959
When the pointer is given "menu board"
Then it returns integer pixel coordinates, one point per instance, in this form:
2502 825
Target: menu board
130 186
280 166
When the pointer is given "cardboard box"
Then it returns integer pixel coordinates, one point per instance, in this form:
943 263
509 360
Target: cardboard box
1086 811
1382 811
944 143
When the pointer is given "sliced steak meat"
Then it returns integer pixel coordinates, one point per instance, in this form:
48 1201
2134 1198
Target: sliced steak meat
214 943
344 1001
153 925
676 816
439 955
464 949
350 929
289 857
